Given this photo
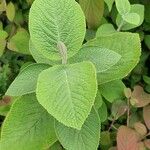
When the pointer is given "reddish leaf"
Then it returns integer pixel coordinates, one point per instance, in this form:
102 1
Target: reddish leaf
147 143
127 139
146 115
140 128
5 101
141 146
140 97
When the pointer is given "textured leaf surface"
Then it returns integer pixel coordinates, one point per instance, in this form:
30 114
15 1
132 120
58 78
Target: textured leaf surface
85 139
127 139
109 4
28 126
68 92
102 58
26 81
10 11
53 21
128 47
93 10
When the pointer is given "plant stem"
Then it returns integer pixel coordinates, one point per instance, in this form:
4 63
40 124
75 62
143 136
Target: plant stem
128 111
112 123
120 26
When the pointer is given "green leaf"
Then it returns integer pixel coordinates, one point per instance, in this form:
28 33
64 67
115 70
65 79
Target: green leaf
28 126
3 34
20 42
147 40
26 81
56 146
103 58
68 92
109 4
54 21
116 88
132 18
128 47
10 11
93 10
98 100
85 139
123 6
105 29
136 8
102 111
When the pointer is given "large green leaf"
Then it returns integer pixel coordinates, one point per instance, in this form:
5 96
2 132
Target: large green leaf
93 10
26 81
68 92
102 57
28 126
85 139
54 21
128 47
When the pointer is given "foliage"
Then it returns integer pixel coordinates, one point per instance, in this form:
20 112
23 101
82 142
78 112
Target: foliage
87 87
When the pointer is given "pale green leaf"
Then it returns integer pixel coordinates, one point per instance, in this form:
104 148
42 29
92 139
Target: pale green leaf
109 4
3 34
53 21
136 8
2 46
123 6
28 126
105 29
26 81
116 88
85 139
98 100
20 42
132 18
2 5
128 47
10 11
68 92
103 58
93 10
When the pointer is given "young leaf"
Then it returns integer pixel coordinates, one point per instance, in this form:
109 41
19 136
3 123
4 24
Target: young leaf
128 47
20 42
93 10
26 81
102 58
146 115
27 126
118 109
132 18
116 87
140 97
140 128
127 139
136 8
85 139
68 92
123 6
10 11
52 21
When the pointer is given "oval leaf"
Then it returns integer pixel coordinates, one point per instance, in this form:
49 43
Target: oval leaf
68 92
146 115
52 21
